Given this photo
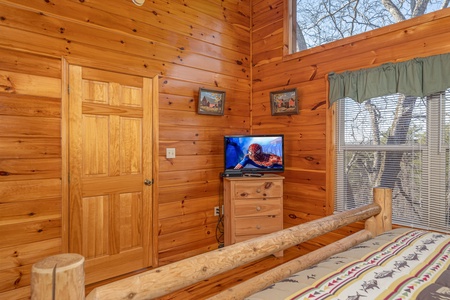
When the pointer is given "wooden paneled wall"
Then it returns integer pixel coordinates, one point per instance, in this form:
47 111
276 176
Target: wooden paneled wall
30 166
306 176
231 45
188 43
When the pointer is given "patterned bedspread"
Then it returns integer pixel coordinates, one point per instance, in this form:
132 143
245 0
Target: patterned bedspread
400 264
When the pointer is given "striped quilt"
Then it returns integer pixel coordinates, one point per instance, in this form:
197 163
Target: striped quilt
406 264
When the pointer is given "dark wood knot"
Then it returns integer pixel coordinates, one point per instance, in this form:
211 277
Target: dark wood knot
268 185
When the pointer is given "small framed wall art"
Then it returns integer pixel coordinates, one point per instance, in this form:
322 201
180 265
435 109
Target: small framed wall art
284 102
211 102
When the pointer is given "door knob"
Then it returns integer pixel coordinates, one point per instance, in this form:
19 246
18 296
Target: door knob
148 182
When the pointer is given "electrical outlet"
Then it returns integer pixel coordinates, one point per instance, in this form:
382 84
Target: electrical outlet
216 210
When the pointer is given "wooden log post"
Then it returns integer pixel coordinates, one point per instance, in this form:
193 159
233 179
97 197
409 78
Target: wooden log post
383 197
58 277
163 280
383 221
264 280
375 225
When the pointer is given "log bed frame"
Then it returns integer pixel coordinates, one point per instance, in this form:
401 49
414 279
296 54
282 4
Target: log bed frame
62 276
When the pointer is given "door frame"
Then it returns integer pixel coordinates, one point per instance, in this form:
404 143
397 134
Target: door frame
65 178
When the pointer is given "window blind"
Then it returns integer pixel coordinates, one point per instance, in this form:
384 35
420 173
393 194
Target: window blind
401 142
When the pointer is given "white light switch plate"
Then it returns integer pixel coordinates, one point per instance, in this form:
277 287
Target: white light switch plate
170 152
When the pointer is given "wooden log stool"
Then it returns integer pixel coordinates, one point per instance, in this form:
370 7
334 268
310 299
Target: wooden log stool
58 277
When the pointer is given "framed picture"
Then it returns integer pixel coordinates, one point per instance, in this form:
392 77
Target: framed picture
284 102
211 102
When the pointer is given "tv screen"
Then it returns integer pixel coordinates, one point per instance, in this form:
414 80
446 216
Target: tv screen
254 153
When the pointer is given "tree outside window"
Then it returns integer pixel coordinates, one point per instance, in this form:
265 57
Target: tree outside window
317 22
400 142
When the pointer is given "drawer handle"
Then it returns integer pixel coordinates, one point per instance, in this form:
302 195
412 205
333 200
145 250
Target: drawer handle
258 208
258 226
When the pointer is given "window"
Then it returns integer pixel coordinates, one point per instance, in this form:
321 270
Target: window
398 142
317 22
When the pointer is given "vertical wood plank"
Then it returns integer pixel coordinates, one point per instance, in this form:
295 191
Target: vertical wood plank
149 102
65 156
75 163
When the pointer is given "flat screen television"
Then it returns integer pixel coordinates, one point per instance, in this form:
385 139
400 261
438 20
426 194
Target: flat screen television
253 154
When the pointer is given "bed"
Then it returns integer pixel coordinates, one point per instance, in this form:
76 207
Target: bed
374 263
399 264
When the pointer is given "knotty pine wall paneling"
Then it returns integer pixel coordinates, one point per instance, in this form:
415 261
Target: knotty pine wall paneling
189 44
30 166
305 150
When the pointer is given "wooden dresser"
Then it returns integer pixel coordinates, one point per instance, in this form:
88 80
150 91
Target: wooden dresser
253 206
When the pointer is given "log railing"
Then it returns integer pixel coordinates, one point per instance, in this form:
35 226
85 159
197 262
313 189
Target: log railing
177 275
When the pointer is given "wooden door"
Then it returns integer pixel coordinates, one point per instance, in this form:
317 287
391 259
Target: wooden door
110 171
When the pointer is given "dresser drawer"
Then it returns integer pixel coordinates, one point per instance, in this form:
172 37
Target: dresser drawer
261 189
257 207
258 225
253 207
242 238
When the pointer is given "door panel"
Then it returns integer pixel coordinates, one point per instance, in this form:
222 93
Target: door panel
109 141
95 145
95 226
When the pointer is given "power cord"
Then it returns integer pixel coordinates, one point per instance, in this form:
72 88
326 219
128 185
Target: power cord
220 232
220 224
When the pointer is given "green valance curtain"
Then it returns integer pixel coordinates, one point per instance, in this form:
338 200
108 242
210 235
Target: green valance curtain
417 77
